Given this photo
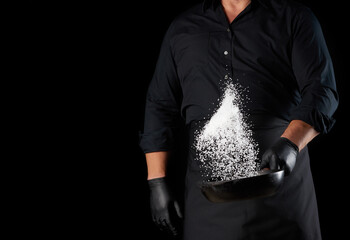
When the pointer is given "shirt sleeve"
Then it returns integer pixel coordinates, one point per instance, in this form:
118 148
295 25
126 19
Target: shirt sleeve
163 100
313 69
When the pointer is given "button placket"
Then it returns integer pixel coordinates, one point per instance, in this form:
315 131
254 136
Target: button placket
226 54
227 65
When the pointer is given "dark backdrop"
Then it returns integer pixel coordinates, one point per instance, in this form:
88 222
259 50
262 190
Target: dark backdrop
147 22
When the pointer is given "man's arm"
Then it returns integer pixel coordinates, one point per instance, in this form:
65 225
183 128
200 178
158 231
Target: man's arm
313 71
300 133
162 118
156 164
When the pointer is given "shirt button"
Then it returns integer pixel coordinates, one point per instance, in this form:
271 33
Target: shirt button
226 76
228 29
225 53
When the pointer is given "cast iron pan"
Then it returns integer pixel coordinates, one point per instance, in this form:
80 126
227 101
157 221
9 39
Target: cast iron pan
265 184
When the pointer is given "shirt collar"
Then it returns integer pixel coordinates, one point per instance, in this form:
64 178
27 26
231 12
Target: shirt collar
214 3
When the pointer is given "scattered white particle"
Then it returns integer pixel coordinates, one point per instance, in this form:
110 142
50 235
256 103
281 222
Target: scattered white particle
224 146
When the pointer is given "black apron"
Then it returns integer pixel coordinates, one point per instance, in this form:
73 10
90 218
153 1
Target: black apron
290 214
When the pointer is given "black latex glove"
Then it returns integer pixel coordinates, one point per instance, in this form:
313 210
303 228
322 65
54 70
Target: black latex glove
282 155
165 209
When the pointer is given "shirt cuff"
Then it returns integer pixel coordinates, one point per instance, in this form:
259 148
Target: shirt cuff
320 121
160 140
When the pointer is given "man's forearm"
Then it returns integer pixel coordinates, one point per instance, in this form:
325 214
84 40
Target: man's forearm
156 164
300 133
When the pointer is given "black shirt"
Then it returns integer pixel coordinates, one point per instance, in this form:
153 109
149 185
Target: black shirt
275 49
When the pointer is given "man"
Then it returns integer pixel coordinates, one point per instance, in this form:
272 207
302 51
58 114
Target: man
274 48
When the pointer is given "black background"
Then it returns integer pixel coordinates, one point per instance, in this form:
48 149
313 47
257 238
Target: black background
141 30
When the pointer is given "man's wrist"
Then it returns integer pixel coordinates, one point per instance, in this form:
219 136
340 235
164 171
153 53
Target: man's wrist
155 176
299 133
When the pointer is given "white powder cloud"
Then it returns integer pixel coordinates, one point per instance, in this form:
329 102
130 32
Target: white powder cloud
225 147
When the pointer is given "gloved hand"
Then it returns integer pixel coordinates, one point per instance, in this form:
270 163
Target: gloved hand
282 155
165 209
